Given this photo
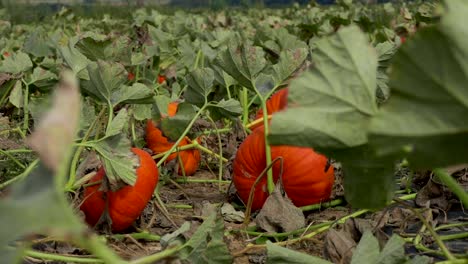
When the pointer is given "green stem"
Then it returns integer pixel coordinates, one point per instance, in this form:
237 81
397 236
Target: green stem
67 259
71 180
211 131
25 173
454 236
197 59
187 129
25 108
245 107
208 151
322 205
181 148
202 181
141 236
158 256
220 158
270 183
15 160
111 113
452 184
18 151
179 206
99 249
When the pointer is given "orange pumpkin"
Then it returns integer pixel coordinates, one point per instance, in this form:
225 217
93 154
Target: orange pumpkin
161 79
126 204
307 177
158 143
277 102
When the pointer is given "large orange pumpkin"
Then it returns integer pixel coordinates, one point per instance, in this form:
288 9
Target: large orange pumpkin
125 204
307 176
277 102
159 143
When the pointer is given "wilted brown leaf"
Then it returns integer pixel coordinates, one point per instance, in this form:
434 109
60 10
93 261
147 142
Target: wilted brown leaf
56 129
279 214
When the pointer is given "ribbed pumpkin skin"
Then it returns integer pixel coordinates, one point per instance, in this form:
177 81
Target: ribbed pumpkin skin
158 143
126 204
304 178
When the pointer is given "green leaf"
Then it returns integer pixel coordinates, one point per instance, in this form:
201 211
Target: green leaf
118 123
200 85
94 46
227 108
425 118
280 255
135 94
207 244
73 58
334 102
34 206
142 112
119 162
290 60
106 78
16 95
38 44
243 62
41 77
17 62
173 127
367 251
366 174
393 252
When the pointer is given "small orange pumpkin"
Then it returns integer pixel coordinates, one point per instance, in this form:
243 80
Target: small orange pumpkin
307 177
126 204
158 143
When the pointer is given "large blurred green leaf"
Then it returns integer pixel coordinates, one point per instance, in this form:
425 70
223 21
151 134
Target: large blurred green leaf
34 206
17 62
426 114
334 102
38 44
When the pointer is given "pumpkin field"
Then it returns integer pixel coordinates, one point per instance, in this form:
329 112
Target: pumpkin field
301 134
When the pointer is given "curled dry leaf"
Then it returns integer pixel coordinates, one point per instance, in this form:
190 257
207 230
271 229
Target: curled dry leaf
56 129
279 214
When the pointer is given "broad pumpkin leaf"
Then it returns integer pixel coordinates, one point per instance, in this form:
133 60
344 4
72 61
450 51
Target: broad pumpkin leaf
207 244
138 93
100 47
106 78
34 206
289 61
73 58
425 118
17 62
41 77
16 95
38 44
279 255
227 108
174 126
367 251
334 102
118 123
119 162
243 62
200 85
